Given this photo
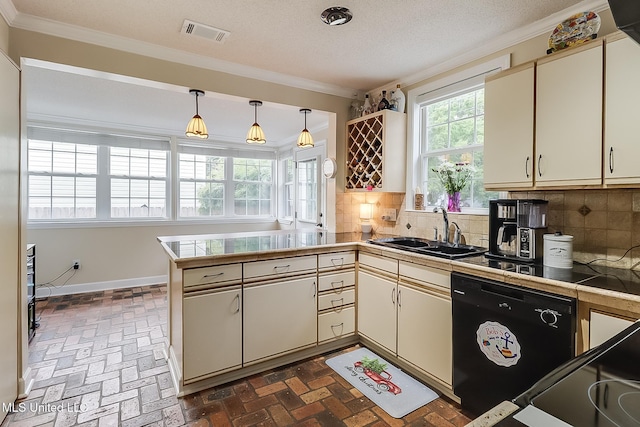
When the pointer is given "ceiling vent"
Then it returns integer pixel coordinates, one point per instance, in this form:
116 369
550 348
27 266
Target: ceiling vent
205 31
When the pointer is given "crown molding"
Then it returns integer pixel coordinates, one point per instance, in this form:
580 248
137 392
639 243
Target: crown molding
505 41
72 32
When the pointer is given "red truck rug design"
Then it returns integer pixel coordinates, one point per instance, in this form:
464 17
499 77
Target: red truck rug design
387 386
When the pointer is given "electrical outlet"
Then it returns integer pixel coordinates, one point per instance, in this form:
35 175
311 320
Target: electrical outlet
390 214
76 264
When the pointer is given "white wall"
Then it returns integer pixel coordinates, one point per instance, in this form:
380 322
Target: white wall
111 256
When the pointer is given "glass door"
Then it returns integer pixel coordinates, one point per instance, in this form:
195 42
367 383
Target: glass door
308 189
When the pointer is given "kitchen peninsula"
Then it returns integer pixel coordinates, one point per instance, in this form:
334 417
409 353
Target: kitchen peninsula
242 303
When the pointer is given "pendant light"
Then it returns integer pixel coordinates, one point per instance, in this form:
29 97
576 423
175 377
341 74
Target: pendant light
305 139
196 126
255 134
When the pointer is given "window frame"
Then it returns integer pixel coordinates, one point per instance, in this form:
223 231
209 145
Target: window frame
439 88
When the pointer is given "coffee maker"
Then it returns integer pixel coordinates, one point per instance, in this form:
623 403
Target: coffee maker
516 228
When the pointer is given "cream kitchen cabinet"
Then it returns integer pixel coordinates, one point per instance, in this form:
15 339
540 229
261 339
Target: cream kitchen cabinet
424 319
569 117
336 295
279 316
377 298
508 128
212 331
376 152
603 326
621 124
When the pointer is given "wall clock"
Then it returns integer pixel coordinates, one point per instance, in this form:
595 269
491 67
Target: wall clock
329 167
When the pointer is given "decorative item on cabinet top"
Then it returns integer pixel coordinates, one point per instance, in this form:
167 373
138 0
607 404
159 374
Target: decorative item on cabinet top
573 31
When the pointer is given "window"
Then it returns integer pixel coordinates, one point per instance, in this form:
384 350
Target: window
448 125
224 182
62 180
288 193
92 176
201 185
252 186
138 182
453 131
308 190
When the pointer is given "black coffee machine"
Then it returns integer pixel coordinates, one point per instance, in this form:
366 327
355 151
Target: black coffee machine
516 228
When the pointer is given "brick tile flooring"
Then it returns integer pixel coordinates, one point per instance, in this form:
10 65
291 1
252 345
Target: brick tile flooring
97 361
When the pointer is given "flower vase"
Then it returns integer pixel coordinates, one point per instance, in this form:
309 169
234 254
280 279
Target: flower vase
454 202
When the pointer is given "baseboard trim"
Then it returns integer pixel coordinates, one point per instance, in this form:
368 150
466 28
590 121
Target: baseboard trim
47 291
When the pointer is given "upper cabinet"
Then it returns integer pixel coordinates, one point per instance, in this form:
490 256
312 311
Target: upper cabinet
376 152
569 117
621 124
508 128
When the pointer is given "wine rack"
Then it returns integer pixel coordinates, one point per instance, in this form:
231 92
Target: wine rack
376 152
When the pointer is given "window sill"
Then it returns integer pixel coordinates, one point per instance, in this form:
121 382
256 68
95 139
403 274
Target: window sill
147 223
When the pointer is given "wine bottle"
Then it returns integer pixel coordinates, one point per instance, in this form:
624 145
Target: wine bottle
384 103
399 98
367 105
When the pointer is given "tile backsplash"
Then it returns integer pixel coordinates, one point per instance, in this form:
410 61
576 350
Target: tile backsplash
604 223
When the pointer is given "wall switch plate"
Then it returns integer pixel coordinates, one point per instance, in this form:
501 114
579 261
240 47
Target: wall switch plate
390 214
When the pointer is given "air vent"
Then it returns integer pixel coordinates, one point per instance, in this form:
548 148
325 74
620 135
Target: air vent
205 31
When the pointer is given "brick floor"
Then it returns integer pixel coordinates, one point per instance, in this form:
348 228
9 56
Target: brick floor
97 361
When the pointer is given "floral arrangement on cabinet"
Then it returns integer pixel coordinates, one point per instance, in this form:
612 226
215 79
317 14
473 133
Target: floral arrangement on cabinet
454 177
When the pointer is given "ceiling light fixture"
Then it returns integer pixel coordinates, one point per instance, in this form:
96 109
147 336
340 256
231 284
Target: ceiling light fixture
336 15
196 126
305 139
255 134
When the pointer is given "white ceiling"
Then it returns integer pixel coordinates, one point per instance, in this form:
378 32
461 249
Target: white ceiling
279 40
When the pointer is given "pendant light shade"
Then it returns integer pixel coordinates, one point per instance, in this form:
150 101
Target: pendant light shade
255 134
305 139
196 127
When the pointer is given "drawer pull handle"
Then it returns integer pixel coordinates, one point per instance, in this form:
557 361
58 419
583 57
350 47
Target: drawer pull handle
333 261
393 296
281 267
399 297
526 167
539 162
340 289
206 276
238 303
315 289
339 325
339 306
610 159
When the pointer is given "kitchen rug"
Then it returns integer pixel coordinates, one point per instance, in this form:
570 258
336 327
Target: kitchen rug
387 386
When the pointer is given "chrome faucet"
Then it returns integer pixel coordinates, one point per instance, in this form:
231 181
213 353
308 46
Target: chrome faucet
445 218
456 234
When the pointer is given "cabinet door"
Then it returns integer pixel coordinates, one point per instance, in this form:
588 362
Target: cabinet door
508 128
622 127
603 326
569 118
279 317
212 332
425 331
377 309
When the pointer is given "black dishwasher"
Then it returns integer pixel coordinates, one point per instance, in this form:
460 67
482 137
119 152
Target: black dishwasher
505 338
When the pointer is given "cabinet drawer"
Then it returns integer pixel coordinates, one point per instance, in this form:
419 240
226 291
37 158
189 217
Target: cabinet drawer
336 301
280 267
422 273
336 260
212 275
334 325
336 282
379 263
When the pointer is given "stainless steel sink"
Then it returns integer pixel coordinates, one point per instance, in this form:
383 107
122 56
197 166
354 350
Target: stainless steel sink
429 247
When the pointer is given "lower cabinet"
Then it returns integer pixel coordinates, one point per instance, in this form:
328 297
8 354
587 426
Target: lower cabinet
279 317
603 326
377 308
425 330
212 331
